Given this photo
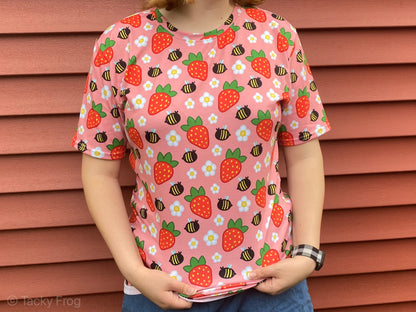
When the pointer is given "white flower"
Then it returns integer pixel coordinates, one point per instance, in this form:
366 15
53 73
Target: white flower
141 193
105 93
146 58
153 230
318 99
97 152
82 111
207 40
259 235
212 118
192 173
138 101
117 127
273 96
268 221
215 188
294 124
267 37
219 220
109 28
173 138
212 53
257 166
239 67
267 159
319 130
89 98
81 130
242 133
174 72
140 168
216 150
175 275
252 39
303 73
157 218
276 112
277 83
211 238
216 257
209 168
189 42
273 24
144 228
189 103
176 209
141 121
206 99
148 26
243 204
246 272
141 41
147 168
258 97
152 187
287 110
152 250
127 48
148 85
214 83
275 237
273 55
193 243
149 152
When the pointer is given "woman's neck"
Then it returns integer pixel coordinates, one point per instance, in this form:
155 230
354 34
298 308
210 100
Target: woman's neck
200 16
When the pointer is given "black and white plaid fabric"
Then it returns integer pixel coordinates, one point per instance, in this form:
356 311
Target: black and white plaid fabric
309 251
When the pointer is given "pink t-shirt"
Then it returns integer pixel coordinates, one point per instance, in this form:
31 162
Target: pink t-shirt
203 116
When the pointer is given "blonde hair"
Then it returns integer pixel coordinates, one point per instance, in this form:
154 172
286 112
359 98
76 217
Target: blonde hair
171 4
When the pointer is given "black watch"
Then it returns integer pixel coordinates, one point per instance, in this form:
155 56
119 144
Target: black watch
311 252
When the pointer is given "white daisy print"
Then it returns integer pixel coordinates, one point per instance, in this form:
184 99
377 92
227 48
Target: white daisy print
207 40
173 138
267 159
152 250
215 188
175 275
216 150
189 103
97 152
212 118
141 168
117 127
267 37
141 121
318 99
243 204
258 97
174 72
127 48
147 86
277 83
219 220
141 193
275 237
89 98
211 238
153 230
105 92
257 166
319 130
193 243
144 228
276 112
214 83
209 168
146 58
147 168
216 257
259 235
81 130
141 41
152 188
109 28
189 42
212 53
273 96
252 39
303 73
246 272
294 124
149 152
206 100
273 24
176 209
83 111
287 110
138 101
268 220
273 55
191 173
148 27
239 67
243 133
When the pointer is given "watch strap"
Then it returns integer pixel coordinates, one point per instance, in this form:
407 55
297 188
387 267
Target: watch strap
311 252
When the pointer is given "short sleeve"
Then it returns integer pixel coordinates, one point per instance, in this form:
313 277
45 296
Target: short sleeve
303 115
100 132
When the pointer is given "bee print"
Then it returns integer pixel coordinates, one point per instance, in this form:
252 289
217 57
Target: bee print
100 137
224 204
219 68
255 82
192 226
151 16
124 33
120 66
154 71
278 17
257 149
152 136
293 77
176 189
222 134
176 258
115 90
256 219
243 112
172 118
106 74
188 87
82 146
314 115
249 25
305 135
243 184
174 55
238 50
280 70
271 189
299 57
155 266
227 272
276 165
190 156
124 92
229 20
247 254
93 85
171 27
143 213
115 112
312 86
159 204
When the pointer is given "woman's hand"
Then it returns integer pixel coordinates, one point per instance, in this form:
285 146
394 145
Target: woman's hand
283 275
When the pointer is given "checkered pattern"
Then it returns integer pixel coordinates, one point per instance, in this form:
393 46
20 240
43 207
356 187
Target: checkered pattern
309 251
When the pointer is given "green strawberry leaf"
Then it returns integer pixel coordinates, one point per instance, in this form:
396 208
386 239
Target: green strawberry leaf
161 29
132 60
107 44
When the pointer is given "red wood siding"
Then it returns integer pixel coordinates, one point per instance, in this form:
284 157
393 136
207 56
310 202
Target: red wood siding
363 55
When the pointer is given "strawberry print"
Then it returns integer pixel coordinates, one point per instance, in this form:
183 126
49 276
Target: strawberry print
133 20
268 256
229 96
161 99
197 67
233 236
140 246
227 37
285 137
94 115
260 63
161 40
199 203
231 165
105 53
277 212
256 14
264 125
302 103
283 40
163 169
149 199
200 274
133 133
167 235
196 132
117 149
260 193
134 73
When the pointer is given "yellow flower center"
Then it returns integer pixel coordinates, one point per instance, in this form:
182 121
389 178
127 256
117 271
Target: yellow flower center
242 133
243 204
174 71
209 168
173 138
206 99
177 208
210 238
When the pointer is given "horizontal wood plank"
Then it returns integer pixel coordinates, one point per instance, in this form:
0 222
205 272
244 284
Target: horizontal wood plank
396 307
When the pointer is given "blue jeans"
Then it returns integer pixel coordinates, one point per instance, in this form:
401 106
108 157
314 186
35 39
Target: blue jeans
296 299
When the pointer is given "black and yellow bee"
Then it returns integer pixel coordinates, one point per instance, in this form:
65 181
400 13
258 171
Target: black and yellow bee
100 137
155 266
124 92
171 27
174 55
227 272
152 137
136 153
255 82
305 135
188 87
247 254
143 213
238 50
176 189
271 189
243 184
314 115
93 85
192 226
299 56
229 20
154 71
290 216
82 146
219 68
124 33
280 70
159 204
249 25
106 74
115 112
312 86
243 112
190 156
114 90
176 258
256 219
120 66
276 165
222 134
151 16
257 149
278 17
172 118
293 77
224 204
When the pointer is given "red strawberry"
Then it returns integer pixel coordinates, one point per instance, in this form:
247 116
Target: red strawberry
256 14
140 246
285 138
163 168
231 165
260 63
149 199
199 203
161 99
283 40
94 115
105 53
133 73
286 97
229 96
133 133
260 193
277 212
302 103
117 149
132 160
233 236
200 274
268 256
196 133
227 37
167 235
133 216
161 40
264 124
133 20
197 67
